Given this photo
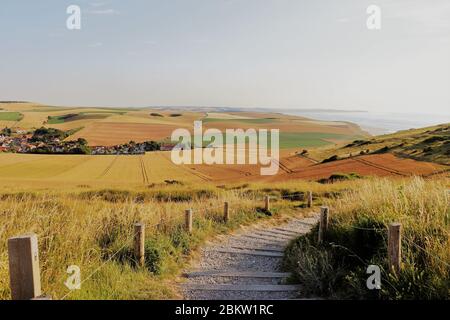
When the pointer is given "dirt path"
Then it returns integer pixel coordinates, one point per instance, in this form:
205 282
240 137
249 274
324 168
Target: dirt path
246 265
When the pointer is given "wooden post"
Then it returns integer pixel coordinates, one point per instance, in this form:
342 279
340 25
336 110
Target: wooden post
139 243
24 273
267 203
161 225
323 224
395 246
226 212
309 199
188 220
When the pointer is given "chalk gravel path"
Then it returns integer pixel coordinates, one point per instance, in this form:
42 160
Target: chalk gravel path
246 265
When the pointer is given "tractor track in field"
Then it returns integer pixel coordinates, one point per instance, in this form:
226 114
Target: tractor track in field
200 175
108 168
283 167
381 167
436 173
190 171
361 161
314 161
143 170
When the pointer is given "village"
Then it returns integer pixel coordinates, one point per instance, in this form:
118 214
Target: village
130 148
52 141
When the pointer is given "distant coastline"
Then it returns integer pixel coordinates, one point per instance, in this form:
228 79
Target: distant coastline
376 122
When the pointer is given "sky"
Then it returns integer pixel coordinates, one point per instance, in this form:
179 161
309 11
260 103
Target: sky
238 53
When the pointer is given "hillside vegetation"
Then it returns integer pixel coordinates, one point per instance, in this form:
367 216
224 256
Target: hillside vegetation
93 229
426 144
357 238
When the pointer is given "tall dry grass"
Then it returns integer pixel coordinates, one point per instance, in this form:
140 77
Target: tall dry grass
93 229
357 237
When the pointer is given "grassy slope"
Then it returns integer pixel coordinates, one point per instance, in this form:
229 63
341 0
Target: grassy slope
87 227
425 144
357 238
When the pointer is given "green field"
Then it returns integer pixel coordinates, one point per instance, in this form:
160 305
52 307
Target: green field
10 116
290 140
80 116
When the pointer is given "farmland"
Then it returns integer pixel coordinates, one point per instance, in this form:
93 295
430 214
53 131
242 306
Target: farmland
48 170
109 126
10 116
56 196
157 168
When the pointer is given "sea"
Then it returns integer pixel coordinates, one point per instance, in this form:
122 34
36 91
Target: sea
376 122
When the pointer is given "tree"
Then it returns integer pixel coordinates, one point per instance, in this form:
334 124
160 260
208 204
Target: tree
48 134
6 132
82 141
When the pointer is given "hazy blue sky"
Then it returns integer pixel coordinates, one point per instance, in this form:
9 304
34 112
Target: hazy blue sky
256 53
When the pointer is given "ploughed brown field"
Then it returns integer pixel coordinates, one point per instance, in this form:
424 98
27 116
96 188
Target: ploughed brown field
112 133
297 167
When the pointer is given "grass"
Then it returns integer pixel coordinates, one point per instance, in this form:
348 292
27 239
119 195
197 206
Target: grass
357 238
425 144
94 230
10 116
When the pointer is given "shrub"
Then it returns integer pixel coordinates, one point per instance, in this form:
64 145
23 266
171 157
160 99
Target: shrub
340 177
382 150
48 135
331 159
436 139
6 132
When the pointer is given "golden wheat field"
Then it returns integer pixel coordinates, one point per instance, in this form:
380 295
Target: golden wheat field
53 170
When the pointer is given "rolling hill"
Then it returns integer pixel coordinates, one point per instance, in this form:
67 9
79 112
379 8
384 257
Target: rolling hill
423 144
112 126
332 148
